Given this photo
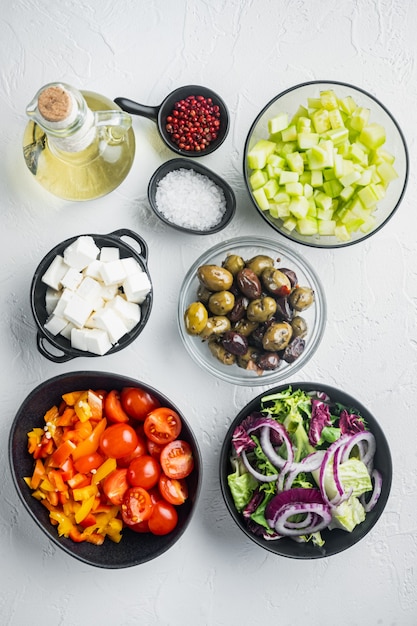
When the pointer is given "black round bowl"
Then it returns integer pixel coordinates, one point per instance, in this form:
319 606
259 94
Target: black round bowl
176 164
336 540
56 347
134 548
160 113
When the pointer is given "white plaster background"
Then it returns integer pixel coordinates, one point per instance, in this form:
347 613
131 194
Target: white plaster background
248 51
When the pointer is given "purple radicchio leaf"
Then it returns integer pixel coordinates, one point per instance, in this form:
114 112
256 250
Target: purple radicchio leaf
320 417
350 423
253 503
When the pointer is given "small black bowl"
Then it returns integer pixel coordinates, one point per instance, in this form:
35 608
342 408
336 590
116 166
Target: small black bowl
176 164
336 540
62 349
134 548
160 113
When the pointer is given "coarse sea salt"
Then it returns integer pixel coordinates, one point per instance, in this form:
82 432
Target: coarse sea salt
190 199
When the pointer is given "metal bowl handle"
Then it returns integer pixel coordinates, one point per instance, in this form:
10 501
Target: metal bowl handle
41 345
126 232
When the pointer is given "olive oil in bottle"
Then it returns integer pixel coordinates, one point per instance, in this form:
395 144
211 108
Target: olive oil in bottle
78 145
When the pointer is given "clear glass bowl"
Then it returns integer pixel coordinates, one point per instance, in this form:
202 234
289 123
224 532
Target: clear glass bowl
288 102
315 315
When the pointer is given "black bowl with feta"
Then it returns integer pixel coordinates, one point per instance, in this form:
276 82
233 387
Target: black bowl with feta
91 295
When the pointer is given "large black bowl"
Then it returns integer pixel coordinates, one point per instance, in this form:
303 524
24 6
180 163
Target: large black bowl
335 540
56 347
134 548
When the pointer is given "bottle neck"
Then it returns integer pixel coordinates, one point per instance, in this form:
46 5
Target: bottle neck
77 141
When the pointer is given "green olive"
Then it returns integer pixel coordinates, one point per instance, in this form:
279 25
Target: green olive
220 353
299 326
195 318
260 262
261 309
215 278
233 263
245 327
277 337
276 282
216 325
221 302
301 298
249 359
203 294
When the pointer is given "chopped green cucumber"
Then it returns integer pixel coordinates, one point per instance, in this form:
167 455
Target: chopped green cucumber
324 170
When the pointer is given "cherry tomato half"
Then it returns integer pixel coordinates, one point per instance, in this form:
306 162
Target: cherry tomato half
144 472
113 408
162 425
163 519
136 506
115 486
143 527
118 440
173 490
177 459
137 402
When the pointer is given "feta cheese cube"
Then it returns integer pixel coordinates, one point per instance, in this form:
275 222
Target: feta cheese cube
65 297
89 289
79 339
109 292
108 320
128 311
136 287
77 310
93 269
71 279
131 265
55 324
55 272
81 252
66 332
113 273
108 254
98 341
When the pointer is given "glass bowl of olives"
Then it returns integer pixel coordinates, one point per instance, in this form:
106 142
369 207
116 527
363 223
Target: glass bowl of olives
251 311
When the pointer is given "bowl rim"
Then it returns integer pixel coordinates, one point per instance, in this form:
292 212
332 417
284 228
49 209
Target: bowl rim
68 352
110 379
199 168
351 539
275 376
336 244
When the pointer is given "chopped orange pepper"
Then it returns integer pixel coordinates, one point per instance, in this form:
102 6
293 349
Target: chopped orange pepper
62 453
67 417
71 398
78 480
38 474
90 444
104 470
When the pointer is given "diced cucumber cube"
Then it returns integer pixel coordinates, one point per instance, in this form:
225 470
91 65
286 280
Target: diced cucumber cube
295 162
316 178
307 226
294 189
373 135
342 232
368 196
277 123
323 200
299 207
290 223
332 187
338 135
328 99
287 148
347 105
308 191
359 118
261 199
282 198
275 160
386 172
303 124
317 158
283 210
273 211
307 140
357 154
326 227
288 177
257 179
258 155
289 134
350 179
366 177
271 188
314 103
346 193
305 177
320 119
368 225
300 112
324 214
336 119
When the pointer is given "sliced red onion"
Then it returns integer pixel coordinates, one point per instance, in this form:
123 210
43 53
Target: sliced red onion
336 461
308 464
328 457
261 477
320 520
365 436
377 478
268 448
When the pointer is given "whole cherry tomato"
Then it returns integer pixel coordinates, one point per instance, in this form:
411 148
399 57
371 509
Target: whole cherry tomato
163 518
144 471
162 425
113 408
88 462
118 440
137 402
140 449
177 459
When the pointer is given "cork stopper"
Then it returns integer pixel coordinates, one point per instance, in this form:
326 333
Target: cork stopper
54 104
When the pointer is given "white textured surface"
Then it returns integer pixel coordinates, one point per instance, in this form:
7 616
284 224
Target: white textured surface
248 51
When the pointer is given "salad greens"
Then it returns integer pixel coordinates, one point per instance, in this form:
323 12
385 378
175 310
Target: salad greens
303 464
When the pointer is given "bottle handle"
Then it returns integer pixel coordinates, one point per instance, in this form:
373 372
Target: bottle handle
113 118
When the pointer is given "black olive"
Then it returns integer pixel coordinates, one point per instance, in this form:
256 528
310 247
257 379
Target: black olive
290 274
284 311
268 361
234 342
293 350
